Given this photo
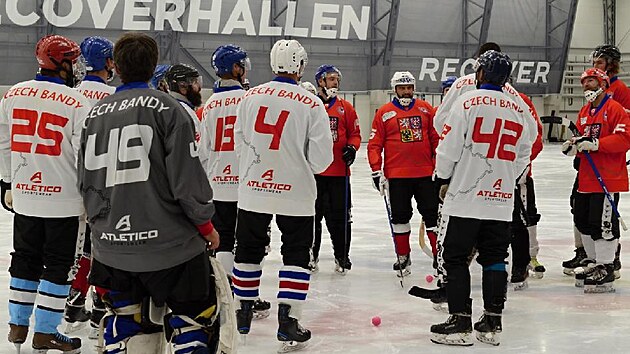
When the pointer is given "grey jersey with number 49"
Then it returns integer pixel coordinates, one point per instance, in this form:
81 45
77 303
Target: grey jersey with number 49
144 189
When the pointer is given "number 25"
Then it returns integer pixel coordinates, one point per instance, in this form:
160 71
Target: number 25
40 129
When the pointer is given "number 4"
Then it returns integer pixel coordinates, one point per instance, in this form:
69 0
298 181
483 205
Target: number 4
498 140
275 130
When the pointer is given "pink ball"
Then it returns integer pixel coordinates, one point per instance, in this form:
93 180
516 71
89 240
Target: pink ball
376 321
428 278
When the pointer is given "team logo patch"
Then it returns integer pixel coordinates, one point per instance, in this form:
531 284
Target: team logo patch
423 110
410 129
583 120
334 128
388 115
340 110
593 130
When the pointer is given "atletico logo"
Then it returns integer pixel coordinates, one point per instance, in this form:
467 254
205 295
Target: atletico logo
497 184
227 170
37 177
268 175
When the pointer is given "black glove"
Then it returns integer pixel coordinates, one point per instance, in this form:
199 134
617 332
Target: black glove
5 186
349 154
441 185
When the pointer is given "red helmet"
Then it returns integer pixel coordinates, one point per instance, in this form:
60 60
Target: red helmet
596 73
52 50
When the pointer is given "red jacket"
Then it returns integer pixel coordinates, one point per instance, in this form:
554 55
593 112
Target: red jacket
611 125
619 92
344 126
407 137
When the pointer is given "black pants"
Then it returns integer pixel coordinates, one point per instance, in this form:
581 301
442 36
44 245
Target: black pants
44 248
252 238
224 220
491 237
187 289
594 216
332 204
422 189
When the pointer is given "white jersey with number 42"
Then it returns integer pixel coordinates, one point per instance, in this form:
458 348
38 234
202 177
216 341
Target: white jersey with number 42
283 139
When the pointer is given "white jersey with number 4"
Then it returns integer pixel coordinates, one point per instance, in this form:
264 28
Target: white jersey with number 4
468 83
483 149
217 143
40 130
283 139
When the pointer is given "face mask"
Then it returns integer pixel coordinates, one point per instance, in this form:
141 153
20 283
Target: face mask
591 95
404 101
330 92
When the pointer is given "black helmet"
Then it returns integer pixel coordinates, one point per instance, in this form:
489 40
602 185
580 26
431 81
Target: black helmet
181 73
496 66
608 51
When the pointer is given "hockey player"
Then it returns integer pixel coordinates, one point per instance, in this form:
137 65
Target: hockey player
148 201
482 152
604 139
282 137
99 58
607 58
41 166
447 83
184 83
231 64
157 80
402 130
333 185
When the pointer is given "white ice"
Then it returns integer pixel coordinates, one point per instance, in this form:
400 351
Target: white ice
552 316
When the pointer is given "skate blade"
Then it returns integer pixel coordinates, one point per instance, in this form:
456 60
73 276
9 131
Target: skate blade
341 271
94 333
291 346
617 274
579 283
261 314
45 351
72 327
488 337
243 339
569 271
520 286
537 275
18 347
598 289
458 339
441 307
404 273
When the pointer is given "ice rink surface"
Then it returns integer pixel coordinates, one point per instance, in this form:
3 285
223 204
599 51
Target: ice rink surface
552 316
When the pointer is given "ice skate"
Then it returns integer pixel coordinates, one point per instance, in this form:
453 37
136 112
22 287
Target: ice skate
261 309
244 316
536 268
403 266
75 314
488 328
575 262
582 272
519 278
314 266
600 280
455 331
342 266
292 335
43 342
17 335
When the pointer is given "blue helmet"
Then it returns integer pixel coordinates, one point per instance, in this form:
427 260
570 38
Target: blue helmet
96 50
158 75
225 56
496 66
448 82
325 69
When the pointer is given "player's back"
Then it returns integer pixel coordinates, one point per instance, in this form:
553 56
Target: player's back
95 89
485 136
44 119
217 142
283 138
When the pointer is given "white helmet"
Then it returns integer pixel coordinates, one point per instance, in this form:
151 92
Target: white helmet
288 56
309 87
402 78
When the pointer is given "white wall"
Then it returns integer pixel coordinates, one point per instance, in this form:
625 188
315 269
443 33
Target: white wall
588 31
623 26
